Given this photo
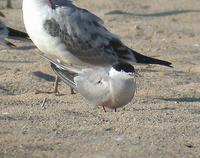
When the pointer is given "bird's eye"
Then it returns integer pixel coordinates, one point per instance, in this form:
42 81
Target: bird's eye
98 82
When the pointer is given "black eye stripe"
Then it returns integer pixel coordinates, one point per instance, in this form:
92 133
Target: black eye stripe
124 67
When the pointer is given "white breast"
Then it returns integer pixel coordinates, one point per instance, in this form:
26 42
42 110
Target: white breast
35 13
122 92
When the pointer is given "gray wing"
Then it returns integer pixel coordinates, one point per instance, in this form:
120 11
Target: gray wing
87 82
84 35
60 65
93 84
87 14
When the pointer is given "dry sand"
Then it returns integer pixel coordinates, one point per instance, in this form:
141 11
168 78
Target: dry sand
163 120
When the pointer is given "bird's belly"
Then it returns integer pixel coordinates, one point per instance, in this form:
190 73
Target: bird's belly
47 44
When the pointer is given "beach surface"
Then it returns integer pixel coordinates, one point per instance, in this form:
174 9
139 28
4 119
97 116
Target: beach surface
163 119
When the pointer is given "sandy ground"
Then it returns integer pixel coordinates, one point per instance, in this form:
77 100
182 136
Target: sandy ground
163 120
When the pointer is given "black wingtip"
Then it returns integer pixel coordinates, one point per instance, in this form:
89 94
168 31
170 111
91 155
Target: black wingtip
12 33
149 60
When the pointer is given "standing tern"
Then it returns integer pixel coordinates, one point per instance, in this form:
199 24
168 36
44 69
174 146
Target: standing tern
107 87
10 33
73 35
69 35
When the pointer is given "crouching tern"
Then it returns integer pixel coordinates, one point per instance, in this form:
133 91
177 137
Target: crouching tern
69 35
113 88
10 33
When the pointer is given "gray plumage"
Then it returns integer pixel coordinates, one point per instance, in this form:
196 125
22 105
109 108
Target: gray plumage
84 35
102 86
86 38
75 36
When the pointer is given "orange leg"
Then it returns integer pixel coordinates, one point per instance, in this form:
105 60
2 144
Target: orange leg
72 90
104 109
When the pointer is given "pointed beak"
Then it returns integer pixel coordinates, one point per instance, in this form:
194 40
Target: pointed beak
135 74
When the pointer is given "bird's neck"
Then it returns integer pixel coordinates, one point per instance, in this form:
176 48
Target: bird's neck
32 9
34 3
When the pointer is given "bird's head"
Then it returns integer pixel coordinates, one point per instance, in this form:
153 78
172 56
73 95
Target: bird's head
123 71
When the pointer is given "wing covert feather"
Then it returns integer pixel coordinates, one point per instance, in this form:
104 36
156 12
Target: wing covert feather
93 85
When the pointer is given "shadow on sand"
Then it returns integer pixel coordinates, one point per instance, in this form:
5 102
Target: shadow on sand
181 100
16 62
159 14
44 76
26 47
178 100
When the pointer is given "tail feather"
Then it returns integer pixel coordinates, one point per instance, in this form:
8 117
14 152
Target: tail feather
66 76
124 54
149 60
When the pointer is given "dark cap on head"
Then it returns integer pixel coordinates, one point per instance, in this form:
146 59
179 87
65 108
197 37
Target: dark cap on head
128 68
